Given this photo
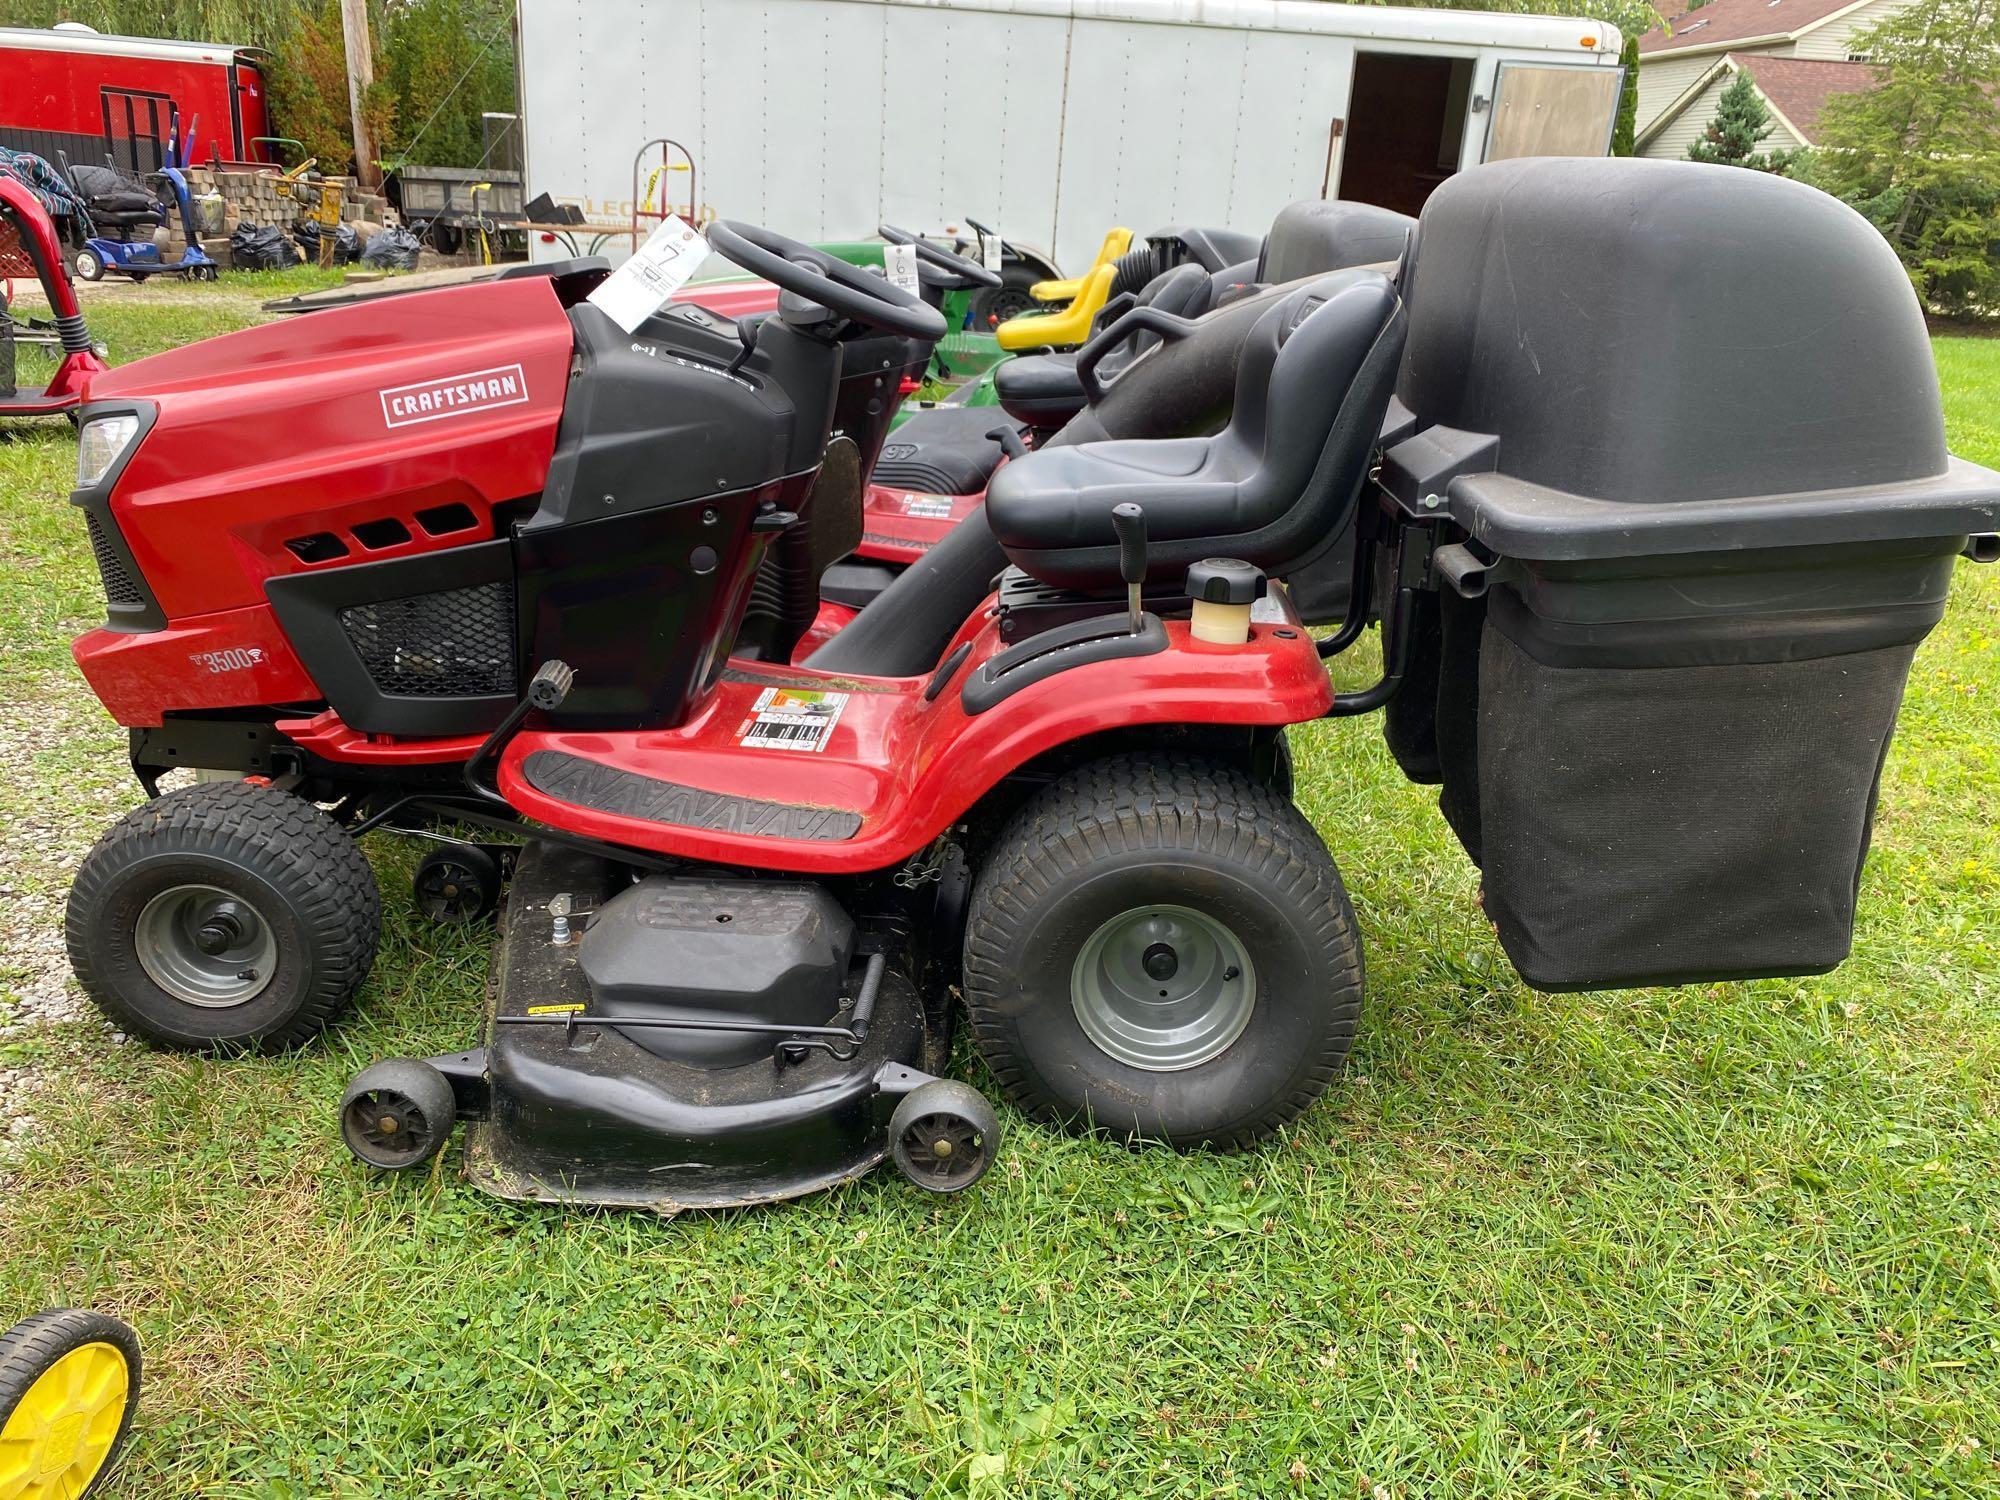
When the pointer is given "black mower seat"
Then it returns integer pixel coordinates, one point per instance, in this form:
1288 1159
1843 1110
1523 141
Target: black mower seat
1044 391
1317 235
1039 389
1273 488
942 451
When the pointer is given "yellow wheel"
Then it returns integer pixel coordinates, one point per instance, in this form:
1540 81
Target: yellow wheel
68 1383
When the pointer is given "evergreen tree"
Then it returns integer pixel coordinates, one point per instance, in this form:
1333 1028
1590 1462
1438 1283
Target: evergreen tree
1624 131
1742 121
1920 152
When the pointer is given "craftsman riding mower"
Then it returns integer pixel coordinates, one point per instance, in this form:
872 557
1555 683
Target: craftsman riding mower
476 557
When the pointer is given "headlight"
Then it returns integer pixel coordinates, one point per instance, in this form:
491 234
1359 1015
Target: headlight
100 444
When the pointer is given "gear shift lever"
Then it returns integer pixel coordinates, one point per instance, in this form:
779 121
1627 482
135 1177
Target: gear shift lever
1129 522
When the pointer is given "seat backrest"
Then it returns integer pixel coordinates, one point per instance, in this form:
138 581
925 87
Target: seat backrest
1275 487
1315 236
1186 292
1314 381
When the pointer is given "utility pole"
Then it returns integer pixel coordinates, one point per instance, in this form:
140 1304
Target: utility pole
360 77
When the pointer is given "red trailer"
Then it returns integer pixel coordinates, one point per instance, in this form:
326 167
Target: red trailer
74 91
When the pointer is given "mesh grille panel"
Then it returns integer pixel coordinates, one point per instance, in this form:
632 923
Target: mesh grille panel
118 585
455 644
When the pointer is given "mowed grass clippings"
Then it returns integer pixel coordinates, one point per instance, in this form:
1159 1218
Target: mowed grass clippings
1717 1240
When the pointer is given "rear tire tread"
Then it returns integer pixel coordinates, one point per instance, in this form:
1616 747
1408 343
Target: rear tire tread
1152 802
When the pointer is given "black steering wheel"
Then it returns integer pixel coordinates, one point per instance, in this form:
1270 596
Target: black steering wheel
853 293
970 273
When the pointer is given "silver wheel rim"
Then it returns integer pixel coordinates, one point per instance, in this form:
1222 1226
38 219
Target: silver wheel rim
1163 988
180 925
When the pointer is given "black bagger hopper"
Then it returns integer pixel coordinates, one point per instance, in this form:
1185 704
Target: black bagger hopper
1686 422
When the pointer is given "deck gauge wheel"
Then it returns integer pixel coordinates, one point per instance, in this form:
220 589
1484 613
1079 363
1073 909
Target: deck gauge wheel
944 1136
457 884
397 1114
69 1382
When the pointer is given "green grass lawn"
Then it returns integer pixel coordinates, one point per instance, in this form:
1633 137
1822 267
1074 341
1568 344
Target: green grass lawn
1719 1240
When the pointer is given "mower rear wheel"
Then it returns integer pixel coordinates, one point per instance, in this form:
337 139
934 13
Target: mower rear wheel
1159 947
397 1114
223 916
944 1135
993 306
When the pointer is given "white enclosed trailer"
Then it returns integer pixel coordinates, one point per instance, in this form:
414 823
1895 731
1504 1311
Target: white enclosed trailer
1049 119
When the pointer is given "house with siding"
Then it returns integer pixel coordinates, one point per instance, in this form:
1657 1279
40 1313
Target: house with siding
1798 53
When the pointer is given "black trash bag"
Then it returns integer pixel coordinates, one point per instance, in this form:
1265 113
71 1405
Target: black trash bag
346 243
392 249
261 247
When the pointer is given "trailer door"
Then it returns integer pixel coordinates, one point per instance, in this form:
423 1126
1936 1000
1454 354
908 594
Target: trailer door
1542 109
137 124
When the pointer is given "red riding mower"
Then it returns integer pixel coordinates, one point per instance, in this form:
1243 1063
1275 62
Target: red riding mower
473 556
31 251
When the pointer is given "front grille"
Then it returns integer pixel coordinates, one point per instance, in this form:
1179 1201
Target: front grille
119 585
458 643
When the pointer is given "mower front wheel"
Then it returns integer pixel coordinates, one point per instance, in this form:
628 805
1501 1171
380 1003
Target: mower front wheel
222 917
1160 948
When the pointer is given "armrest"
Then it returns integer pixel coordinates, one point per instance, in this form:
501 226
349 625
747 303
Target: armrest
1149 319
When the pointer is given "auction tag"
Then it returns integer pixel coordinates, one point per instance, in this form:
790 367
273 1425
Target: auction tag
639 288
990 251
791 719
900 261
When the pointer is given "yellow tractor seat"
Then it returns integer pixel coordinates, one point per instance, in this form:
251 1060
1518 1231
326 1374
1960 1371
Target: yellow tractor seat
1116 243
1060 330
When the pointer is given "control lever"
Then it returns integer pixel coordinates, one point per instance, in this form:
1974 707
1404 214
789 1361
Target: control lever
1129 522
551 684
746 335
1009 441
547 689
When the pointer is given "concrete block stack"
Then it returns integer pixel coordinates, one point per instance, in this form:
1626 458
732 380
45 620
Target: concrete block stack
247 197
250 197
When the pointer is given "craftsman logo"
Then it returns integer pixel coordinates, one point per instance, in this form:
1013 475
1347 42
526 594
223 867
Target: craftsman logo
454 396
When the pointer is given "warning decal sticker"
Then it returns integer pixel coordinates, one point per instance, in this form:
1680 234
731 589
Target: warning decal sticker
927 507
791 719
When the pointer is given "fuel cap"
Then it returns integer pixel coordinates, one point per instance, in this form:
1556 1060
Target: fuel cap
1225 580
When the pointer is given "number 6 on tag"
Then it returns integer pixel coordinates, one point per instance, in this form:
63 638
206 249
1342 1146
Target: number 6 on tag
900 261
